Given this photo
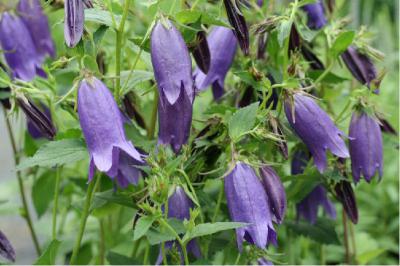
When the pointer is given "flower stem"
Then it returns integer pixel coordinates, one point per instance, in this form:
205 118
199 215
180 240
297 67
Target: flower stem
27 214
85 215
346 238
178 238
102 242
56 196
152 126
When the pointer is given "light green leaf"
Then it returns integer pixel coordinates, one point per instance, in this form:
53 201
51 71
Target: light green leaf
323 231
48 257
43 191
119 259
284 31
138 76
142 226
101 17
192 16
242 120
366 257
112 197
211 228
56 153
341 43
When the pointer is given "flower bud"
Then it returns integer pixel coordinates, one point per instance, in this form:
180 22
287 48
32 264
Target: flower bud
345 193
74 21
6 249
238 22
201 52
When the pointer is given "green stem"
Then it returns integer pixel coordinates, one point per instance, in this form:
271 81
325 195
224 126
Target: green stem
27 214
322 76
153 121
346 238
218 206
56 196
146 255
322 253
353 243
178 238
118 49
85 215
102 242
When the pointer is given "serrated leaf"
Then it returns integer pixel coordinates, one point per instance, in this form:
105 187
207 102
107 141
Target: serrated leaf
243 120
54 153
323 231
342 42
142 226
43 192
101 17
48 256
211 228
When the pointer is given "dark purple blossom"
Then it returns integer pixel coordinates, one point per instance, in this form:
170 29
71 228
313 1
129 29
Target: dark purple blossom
366 150
360 66
6 249
173 73
386 127
179 205
102 125
238 22
38 25
201 52
19 49
345 194
248 203
315 128
308 206
223 45
34 128
275 192
73 21
316 15
299 162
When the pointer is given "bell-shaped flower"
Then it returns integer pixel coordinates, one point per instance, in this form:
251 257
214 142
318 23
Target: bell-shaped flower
316 15
37 23
74 19
345 194
315 128
6 249
366 149
222 44
102 125
308 206
238 23
179 205
275 192
173 73
360 66
19 49
248 203
201 52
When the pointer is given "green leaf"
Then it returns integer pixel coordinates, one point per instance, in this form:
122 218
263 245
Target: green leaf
85 254
342 42
303 184
211 228
137 76
142 226
366 257
157 235
284 31
113 197
191 16
4 76
56 153
329 78
323 231
243 120
99 34
43 192
119 259
48 257
101 17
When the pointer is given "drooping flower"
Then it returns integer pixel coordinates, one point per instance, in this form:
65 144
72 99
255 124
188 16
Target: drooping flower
201 52
308 206
366 150
19 49
315 129
345 194
248 203
38 25
238 22
360 66
73 21
102 125
316 15
179 205
6 249
173 73
39 122
222 43
275 192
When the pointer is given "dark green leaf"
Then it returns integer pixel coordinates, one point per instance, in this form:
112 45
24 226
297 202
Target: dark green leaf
342 42
99 34
142 226
329 78
211 228
119 259
48 256
243 120
323 231
114 197
101 17
43 192
284 31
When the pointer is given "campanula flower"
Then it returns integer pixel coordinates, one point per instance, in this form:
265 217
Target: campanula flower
360 66
6 249
201 52
19 49
102 125
315 128
74 19
248 203
366 152
275 192
173 73
308 206
316 15
179 205
222 43
238 22
37 23
345 194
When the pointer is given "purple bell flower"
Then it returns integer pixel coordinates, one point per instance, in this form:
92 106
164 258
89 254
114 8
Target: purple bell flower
6 249
308 207
74 19
173 73
248 203
222 44
315 128
19 49
179 205
102 125
360 66
36 22
264 261
238 23
366 150
316 15
275 192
